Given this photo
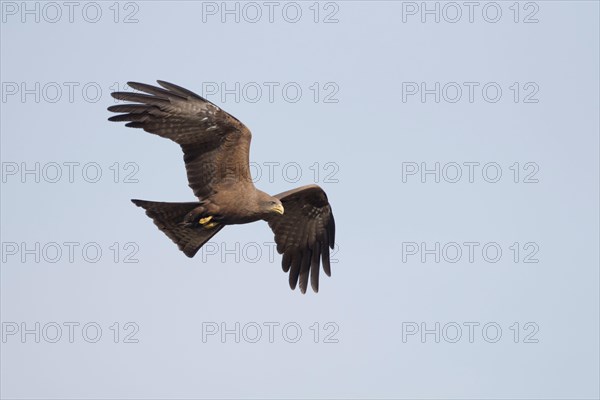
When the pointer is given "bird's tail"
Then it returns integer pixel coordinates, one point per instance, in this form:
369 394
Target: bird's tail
169 218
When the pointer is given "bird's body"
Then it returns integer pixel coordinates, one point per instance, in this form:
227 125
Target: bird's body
216 150
239 205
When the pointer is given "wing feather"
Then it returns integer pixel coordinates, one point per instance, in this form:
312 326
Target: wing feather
286 262
179 90
314 267
325 260
305 269
160 92
295 270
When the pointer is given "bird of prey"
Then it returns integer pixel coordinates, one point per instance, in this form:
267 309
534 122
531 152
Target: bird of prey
216 148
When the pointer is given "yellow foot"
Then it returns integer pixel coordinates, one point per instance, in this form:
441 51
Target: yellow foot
206 224
204 221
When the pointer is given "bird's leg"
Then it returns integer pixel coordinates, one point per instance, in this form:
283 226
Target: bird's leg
192 218
200 216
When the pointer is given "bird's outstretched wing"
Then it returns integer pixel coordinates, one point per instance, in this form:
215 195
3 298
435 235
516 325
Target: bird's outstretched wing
215 144
304 234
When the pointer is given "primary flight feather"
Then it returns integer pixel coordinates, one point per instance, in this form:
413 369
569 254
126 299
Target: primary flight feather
216 148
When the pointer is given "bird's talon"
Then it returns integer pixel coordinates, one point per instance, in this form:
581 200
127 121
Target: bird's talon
204 221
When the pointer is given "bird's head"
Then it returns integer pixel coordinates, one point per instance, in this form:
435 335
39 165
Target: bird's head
271 205
275 206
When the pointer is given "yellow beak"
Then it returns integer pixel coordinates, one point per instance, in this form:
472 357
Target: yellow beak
278 208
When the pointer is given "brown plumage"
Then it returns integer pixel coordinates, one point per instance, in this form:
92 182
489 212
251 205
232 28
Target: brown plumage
216 150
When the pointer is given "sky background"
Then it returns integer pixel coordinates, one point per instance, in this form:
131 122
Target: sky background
342 94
